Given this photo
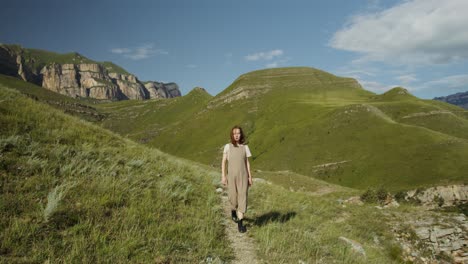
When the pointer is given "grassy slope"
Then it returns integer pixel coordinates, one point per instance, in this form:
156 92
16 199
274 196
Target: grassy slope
309 117
112 67
298 226
299 219
82 108
121 202
37 59
128 203
143 120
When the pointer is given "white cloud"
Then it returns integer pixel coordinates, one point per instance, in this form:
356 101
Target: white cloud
272 65
269 55
138 53
120 50
448 82
406 79
278 63
415 32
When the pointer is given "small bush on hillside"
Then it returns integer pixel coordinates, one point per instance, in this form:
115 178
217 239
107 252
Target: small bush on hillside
369 196
381 194
400 196
374 196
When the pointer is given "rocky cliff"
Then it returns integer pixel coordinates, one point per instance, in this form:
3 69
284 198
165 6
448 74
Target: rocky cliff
162 90
76 76
460 99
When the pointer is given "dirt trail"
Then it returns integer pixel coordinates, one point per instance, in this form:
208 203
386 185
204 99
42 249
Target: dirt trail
242 244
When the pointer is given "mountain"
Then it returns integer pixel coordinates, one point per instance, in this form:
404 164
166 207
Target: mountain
459 99
74 75
314 123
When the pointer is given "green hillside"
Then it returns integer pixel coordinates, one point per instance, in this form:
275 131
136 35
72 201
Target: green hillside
36 59
145 120
74 192
313 123
82 107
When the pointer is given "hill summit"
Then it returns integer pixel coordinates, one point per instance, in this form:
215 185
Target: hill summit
395 94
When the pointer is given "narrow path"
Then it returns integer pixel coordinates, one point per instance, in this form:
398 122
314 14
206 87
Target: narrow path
242 244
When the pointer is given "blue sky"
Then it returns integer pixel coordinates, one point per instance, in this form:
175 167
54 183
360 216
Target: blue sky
421 45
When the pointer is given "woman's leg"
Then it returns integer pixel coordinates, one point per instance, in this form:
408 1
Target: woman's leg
232 192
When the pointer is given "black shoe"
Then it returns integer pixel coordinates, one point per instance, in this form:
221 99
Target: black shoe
241 227
234 216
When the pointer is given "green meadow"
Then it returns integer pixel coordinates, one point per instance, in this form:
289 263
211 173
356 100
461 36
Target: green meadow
310 122
73 191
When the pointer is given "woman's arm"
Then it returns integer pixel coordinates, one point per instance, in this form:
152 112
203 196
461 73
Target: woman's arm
223 170
247 163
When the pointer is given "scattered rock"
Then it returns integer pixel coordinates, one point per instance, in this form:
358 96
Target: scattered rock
261 180
219 190
353 200
392 203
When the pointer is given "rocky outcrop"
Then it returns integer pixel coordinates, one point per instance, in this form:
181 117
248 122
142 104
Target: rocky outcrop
460 99
81 79
440 196
12 63
239 93
440 235
162 90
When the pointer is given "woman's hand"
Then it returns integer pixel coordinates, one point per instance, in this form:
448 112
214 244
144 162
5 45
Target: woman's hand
250 181
224 180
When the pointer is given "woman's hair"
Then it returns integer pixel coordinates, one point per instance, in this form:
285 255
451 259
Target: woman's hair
242 137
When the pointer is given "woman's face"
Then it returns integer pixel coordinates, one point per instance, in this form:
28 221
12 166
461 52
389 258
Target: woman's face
236 134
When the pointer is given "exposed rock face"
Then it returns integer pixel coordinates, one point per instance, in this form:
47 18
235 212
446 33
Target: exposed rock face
460 99
440 195
239 93
8 62
162 90
447 234
82 79
13 63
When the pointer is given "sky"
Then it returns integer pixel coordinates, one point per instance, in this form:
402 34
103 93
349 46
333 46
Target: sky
421 45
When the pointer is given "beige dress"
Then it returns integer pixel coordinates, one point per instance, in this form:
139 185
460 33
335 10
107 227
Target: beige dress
237 178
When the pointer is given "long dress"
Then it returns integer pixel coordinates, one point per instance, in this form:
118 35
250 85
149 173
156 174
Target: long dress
237 178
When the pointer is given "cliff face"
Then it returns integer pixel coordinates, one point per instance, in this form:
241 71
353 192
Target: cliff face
460 99
162 90
80 79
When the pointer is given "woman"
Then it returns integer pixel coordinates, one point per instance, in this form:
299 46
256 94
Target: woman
238 177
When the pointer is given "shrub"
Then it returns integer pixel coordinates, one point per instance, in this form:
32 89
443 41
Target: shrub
369 196
400 196
381 195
